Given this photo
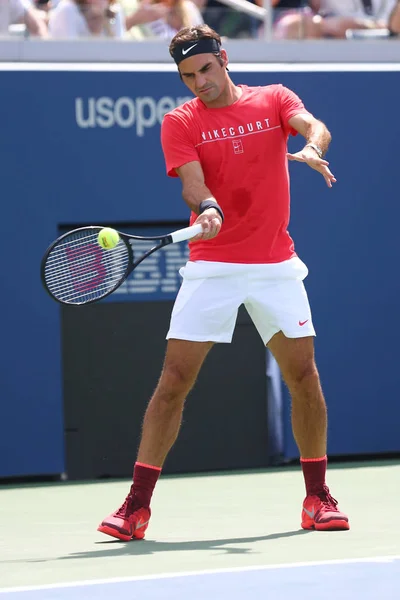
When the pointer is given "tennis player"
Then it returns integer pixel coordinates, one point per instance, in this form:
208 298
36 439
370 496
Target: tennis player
229 148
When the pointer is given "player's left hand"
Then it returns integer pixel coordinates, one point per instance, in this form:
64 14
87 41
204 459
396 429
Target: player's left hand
309 156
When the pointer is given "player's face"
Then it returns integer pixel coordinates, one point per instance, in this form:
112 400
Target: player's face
204 75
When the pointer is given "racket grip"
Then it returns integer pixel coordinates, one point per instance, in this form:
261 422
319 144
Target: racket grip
186 233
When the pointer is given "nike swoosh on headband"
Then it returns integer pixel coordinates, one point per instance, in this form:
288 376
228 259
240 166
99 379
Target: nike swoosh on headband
188 49
203 46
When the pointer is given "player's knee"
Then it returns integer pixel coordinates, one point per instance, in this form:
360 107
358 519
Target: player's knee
175 381
303 376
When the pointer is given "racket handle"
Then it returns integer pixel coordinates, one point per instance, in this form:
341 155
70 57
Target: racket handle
186 233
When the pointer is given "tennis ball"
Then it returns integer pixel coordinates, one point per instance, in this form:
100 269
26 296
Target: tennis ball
108 238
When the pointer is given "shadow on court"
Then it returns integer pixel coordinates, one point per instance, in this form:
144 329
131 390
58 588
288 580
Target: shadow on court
146 547
113 548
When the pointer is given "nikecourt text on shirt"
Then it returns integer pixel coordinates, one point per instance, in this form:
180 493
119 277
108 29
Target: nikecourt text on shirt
236 131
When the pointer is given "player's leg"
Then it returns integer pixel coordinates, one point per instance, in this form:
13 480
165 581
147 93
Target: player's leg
279 307
160 429
163 416
204 312
295 357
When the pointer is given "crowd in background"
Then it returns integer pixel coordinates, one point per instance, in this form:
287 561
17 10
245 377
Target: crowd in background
161 19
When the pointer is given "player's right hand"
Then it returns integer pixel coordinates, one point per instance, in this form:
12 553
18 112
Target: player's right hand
211 222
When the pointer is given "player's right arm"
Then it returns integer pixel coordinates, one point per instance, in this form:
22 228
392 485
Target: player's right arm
182 160
194 192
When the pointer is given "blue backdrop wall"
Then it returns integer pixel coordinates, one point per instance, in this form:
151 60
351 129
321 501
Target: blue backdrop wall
83 147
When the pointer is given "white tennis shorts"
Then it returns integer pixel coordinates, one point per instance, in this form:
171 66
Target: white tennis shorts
206 306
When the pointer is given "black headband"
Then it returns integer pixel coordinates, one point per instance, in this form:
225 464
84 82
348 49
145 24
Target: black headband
203 46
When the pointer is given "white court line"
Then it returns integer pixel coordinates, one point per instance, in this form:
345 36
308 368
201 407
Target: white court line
52 586
171 68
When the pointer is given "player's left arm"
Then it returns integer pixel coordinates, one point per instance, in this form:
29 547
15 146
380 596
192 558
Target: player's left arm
317 142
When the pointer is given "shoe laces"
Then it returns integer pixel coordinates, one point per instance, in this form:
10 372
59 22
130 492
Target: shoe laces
127 505
327 500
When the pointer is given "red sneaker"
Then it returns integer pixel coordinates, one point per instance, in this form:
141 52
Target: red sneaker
320 512
127 522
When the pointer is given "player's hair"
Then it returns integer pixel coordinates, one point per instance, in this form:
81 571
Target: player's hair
194 34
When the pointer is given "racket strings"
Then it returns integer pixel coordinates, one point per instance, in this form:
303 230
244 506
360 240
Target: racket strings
79 270
58 276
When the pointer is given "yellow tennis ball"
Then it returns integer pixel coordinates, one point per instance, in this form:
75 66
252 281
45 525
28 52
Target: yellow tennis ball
108 238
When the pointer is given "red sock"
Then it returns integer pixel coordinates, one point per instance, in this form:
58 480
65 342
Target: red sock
144 480
314 470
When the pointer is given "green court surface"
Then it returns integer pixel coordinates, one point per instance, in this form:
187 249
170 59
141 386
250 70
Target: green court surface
199 523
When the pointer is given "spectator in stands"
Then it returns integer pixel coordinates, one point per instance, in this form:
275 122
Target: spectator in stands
181 13
337 16
394 20
332 18
86 18
108 18
43 8
294 19
22 12
139 13
44 5
229 22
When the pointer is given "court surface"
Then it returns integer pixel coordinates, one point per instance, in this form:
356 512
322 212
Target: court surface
233 535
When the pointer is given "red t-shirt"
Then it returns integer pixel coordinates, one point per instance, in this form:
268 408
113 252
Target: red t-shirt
242 150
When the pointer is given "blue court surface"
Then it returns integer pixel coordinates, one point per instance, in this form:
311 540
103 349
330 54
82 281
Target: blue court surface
366 579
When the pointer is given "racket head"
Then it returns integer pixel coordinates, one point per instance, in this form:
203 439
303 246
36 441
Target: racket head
76 270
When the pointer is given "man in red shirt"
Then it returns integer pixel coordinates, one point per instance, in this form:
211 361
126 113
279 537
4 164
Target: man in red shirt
229 148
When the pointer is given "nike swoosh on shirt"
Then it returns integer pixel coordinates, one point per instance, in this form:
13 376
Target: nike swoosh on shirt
309 512
301 323
188 49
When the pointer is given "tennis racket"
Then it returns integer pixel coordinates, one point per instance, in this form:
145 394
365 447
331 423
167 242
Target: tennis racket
76 270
